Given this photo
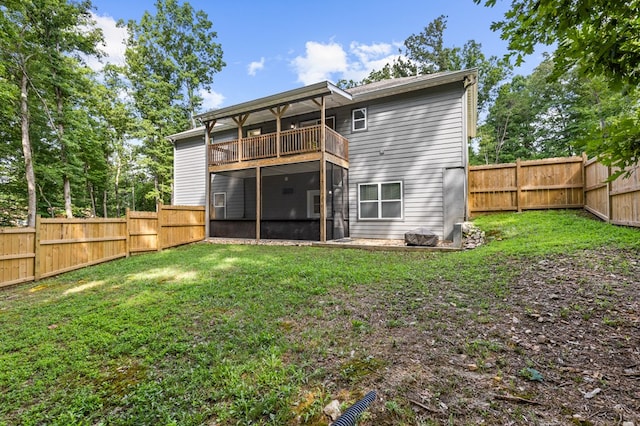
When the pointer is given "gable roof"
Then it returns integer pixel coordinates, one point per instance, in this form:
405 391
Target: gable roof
296 99
300 100
408 84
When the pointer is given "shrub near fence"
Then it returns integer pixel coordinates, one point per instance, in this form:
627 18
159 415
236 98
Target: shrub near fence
55 246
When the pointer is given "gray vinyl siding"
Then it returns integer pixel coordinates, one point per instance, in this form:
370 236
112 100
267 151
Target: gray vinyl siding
235 195
189 173
409 138
225 136
412 138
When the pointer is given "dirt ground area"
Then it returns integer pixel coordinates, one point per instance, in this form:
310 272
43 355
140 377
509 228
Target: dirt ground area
560 345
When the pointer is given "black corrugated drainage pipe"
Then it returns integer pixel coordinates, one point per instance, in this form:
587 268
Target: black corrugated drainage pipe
351 415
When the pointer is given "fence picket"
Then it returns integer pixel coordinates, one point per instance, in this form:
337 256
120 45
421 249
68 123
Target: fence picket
55 246
560 183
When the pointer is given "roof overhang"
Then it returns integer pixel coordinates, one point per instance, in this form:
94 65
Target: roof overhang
396 86
299 102
187 134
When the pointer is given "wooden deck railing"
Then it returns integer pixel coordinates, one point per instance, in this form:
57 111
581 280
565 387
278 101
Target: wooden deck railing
295 141
337 144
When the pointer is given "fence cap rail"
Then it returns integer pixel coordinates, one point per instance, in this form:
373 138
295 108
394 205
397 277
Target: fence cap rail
196 208
79 220
143 215
17 230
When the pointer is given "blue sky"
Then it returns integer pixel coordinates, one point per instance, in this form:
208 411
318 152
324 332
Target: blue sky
273 46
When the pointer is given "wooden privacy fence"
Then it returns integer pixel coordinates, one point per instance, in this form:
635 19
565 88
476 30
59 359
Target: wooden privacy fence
556 183
536 184
617 202
55 246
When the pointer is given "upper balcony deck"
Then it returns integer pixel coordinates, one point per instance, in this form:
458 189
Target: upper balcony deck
288 146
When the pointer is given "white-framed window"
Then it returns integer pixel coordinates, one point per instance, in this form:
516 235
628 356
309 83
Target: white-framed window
381 200
220 205
359 119
254 132
313 204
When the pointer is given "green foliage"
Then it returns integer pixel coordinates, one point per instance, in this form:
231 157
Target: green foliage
598 40
170 56
425 53
45 82
84 128
615 137
600 37
542 116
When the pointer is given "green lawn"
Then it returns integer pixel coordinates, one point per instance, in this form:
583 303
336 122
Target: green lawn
224 334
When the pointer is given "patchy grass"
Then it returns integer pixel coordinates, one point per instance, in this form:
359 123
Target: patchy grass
221 335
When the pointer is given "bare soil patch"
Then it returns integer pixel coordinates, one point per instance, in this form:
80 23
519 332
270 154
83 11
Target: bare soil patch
558 344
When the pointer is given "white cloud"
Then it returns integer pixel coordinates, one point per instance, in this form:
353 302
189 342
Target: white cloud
211 100
332 62
320 62
256 66
114 43
366 52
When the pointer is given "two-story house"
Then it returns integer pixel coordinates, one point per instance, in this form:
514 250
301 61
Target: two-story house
322 163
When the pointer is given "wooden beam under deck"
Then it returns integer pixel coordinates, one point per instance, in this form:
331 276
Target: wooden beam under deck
291 159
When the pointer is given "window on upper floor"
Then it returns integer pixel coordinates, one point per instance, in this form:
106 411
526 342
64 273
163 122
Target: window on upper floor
359 119
380 200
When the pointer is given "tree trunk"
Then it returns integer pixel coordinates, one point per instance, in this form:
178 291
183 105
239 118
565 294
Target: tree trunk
105 213
156 186
117 184
63 156
26 151
67 197
93 199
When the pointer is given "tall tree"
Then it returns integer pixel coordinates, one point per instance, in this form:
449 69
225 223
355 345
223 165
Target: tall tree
40 45
170 56
599 38
63 42
426 53
117 123
508 133
19 49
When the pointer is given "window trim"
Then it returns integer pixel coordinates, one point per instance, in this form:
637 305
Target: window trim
311 193
354 120
223 206
379 201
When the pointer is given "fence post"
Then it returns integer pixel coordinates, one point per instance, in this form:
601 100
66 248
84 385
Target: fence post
159 235
584 178
128 231
36 250
609 196
518 186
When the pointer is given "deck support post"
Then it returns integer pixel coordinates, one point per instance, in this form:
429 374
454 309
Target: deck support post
258 201
207 186
323 172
